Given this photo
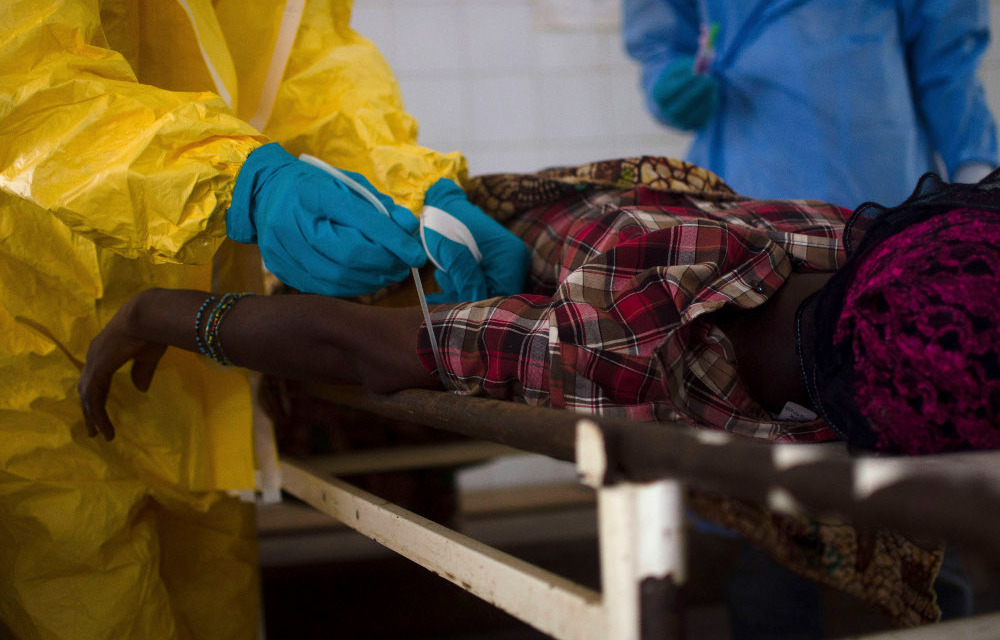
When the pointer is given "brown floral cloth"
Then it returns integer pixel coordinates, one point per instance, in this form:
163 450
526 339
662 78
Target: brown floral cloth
506 195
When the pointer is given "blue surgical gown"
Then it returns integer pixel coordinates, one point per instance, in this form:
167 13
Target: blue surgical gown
844 101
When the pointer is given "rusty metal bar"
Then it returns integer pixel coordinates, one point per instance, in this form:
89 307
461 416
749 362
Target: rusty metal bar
952 496
539 430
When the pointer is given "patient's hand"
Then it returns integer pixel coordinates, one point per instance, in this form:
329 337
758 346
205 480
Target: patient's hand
300 337
113 347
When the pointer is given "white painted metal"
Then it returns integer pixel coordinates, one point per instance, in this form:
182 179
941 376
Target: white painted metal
591 459
659 531
640 528
550 603
617 519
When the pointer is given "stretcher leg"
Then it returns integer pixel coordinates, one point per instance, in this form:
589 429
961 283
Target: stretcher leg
641 536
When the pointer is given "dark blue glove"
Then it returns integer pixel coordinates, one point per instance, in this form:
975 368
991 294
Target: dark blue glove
685 99
477 258
315 233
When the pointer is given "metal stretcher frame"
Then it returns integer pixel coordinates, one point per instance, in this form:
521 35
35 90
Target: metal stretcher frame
638 471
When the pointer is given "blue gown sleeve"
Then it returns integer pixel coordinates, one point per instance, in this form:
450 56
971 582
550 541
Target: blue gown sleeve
945 42
656 32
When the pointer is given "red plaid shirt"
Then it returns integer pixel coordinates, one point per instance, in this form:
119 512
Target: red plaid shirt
619 318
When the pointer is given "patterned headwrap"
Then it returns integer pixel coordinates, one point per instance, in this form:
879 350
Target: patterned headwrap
900 352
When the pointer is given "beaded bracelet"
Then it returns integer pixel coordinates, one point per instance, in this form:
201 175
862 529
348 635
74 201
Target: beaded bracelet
213 344
197 325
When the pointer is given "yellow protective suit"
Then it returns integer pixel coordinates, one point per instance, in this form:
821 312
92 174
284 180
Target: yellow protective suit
123 125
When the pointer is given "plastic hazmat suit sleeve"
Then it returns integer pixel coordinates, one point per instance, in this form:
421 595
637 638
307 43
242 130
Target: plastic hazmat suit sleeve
945 43
139 170
657 33
102 176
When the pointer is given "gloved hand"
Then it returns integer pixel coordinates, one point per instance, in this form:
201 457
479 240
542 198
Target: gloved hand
462 277
685 100
316 234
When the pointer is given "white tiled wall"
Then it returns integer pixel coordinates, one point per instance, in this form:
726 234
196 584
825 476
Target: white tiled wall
518 85
511 85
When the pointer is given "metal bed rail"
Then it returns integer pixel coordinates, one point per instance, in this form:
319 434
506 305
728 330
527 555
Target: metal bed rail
639 471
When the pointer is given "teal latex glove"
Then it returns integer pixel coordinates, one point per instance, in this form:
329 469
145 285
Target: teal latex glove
685 100
316 234
454 238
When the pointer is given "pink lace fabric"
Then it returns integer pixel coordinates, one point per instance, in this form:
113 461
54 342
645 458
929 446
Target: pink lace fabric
920 318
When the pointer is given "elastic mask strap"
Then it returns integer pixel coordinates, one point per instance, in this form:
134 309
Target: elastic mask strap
450 227
360 189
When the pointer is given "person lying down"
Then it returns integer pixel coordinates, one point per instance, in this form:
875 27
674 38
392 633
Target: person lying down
657 293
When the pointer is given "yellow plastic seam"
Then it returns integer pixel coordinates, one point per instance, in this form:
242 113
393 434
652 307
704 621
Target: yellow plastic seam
291 17
220 86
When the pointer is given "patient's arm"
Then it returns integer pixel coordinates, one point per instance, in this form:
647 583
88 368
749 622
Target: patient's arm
301 337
